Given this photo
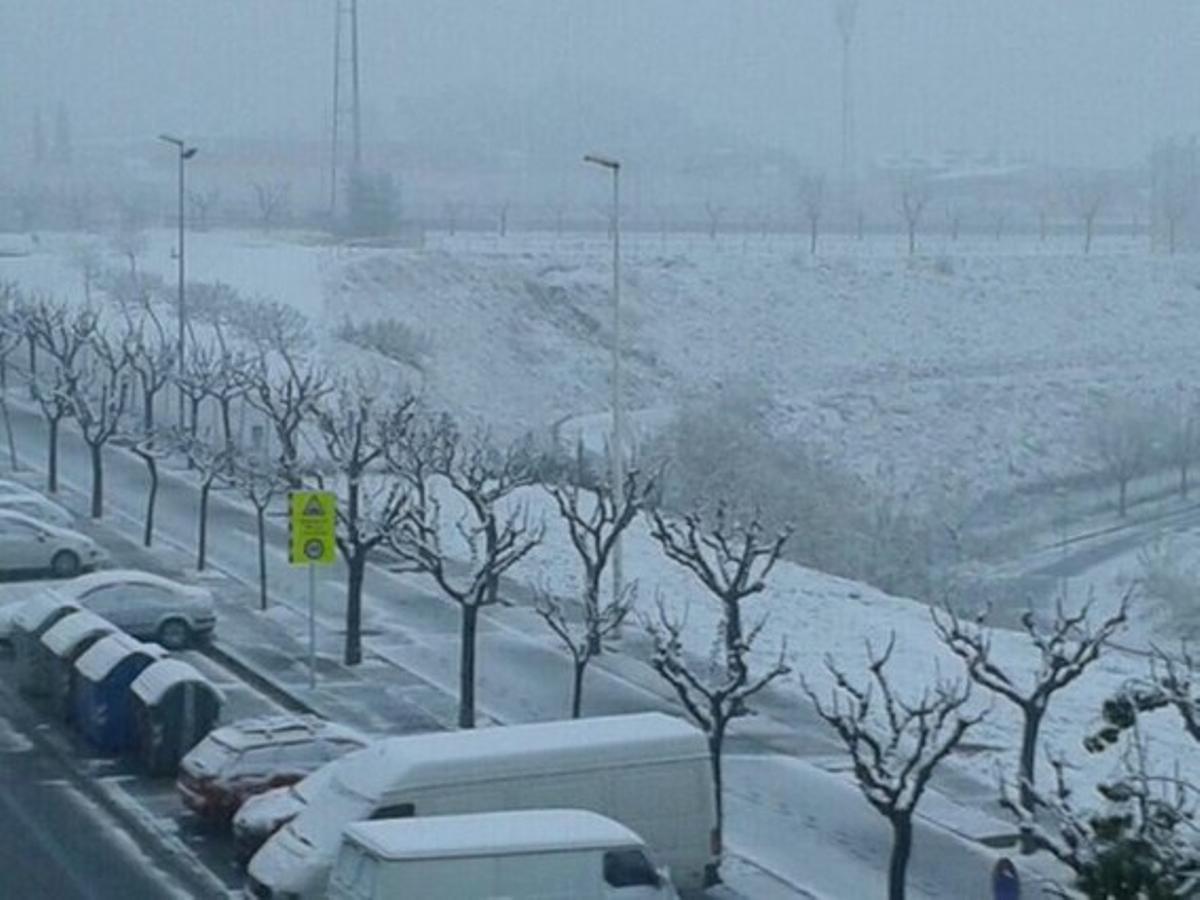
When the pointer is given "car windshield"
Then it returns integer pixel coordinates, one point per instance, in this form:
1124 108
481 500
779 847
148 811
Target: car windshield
321 823
210 755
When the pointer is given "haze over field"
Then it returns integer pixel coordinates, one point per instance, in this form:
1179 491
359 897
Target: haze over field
1073 81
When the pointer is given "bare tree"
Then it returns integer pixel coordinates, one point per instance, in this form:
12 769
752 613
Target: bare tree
731 560
88 262
1120 436
1087 195
99 396
812 200
452 211
260 481
202 204
272 199
62 333
357 431
149 447
502 218
213 466
954 220
1181 439
12 336
999 220
595 521
1066 645
714 214
130 243
913 197
895 744
714 691
482 477
1142 843
152 356
287 399
1171 684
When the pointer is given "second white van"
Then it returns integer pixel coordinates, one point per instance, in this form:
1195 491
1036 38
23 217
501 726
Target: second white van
534 855
650 772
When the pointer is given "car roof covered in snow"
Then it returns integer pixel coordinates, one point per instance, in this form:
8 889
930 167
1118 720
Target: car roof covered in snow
159 677
67 633
108 652
514 750
78 586
40 608
282 729
491 834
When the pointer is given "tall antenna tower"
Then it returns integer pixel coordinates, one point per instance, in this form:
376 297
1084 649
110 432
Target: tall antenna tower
346 111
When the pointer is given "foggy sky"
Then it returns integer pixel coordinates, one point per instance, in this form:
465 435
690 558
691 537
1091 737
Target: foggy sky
1068 81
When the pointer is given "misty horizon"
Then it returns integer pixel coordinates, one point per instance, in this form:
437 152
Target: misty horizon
1090 84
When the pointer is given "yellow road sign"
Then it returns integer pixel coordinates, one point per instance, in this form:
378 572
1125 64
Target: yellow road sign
312 524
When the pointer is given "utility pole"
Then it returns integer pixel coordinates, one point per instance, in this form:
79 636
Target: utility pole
845 17
185 153
618 440
345 68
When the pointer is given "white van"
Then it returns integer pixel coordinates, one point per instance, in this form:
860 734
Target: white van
650 772
535 855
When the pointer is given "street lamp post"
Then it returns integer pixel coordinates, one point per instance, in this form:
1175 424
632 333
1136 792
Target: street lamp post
618 440
185 153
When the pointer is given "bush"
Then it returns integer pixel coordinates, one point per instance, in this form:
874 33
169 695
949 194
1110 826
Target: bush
373 205
1167 577
726 449
391 338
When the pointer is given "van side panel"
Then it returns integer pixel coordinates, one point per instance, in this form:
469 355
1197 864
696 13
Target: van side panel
541 876
669 804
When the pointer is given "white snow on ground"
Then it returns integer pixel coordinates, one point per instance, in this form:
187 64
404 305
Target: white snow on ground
927 362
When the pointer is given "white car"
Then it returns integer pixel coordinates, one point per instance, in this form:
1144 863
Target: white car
27 544
37 507
145 605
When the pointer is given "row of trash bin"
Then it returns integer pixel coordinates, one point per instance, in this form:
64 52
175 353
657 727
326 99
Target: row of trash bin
122 695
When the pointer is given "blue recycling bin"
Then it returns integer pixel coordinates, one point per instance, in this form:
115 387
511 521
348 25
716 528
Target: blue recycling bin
103 704
174 708
64 643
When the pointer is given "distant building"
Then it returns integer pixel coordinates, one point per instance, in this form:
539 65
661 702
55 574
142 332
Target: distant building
1175 194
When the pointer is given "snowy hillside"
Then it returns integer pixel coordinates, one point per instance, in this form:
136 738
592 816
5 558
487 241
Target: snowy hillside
922 363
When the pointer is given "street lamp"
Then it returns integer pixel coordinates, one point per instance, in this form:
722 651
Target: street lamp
618 443
185 153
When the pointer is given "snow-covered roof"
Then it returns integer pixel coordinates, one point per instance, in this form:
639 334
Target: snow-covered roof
39 609
159 677
281 729
491 834
67 633
78 586
423 759
108 652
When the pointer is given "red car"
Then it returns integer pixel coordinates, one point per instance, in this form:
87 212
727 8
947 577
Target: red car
254 755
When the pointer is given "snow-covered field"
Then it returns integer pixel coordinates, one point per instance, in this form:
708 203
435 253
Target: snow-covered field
930 364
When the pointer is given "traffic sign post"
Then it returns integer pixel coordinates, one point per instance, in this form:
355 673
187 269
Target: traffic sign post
312 542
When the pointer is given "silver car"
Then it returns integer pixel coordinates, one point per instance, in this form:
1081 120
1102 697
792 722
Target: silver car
146 605
27 544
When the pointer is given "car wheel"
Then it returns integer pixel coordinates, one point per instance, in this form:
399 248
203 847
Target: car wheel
65 564
174 634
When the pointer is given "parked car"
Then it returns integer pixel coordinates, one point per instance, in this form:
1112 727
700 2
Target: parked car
563 853
254 755
37 507
10 488
264 814
27 544
145 605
